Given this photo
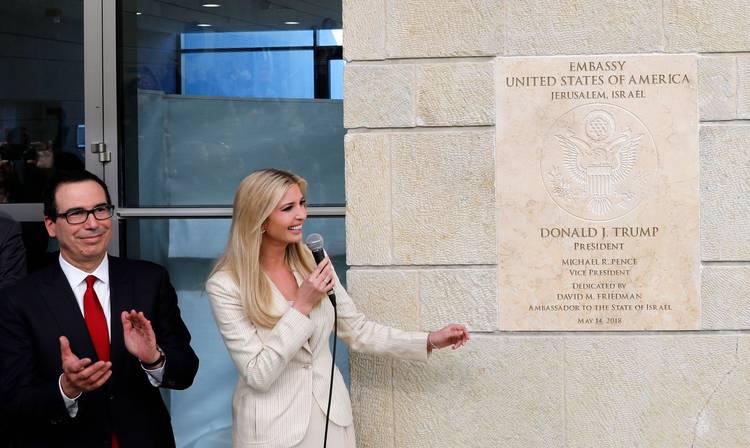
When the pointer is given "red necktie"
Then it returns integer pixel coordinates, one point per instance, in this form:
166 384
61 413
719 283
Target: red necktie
95 320
97 325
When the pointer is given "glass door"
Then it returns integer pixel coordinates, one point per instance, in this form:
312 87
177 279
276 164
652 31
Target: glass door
50 105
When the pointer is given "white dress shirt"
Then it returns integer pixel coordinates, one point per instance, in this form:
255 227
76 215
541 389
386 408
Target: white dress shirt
77 280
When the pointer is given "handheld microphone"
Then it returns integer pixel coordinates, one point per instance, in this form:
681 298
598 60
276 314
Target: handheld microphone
315 244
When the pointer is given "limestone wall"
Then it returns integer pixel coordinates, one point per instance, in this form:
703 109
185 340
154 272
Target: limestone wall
421 235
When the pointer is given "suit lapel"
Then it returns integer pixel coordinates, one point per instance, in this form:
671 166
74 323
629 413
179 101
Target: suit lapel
120 299
322 316
62 303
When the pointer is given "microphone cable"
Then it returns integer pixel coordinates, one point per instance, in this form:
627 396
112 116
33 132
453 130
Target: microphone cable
333 366
315 244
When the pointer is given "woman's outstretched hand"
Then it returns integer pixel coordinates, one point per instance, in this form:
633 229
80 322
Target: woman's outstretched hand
453 334
314 287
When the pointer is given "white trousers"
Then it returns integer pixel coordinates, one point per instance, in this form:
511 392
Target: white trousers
338 436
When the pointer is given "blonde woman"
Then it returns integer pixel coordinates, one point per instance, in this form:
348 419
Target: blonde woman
267 297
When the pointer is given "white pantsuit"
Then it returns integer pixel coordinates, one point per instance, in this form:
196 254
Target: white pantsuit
284 371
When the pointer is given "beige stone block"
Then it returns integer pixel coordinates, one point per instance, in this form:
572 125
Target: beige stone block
364 29
378 96
426 28
657 391
743 88
717 87
550 27
368 199
706 25
494 392
724 416
455 94
443 198
725 192
372 400
389 297
725 297
466 296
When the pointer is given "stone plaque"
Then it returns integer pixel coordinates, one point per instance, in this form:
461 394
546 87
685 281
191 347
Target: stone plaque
597 193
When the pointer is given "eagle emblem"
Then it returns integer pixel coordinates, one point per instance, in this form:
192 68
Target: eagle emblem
599 160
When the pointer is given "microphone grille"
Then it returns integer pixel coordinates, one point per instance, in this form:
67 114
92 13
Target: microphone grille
314 242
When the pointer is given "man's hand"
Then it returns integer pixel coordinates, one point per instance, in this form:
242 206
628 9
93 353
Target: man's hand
79 375
139 336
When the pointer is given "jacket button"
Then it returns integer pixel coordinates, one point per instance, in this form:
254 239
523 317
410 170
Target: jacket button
111 398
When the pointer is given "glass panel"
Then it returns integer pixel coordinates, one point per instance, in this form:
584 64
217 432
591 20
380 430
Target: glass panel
336 69
41 93
249 74
201 415
333 38
196 150
203 107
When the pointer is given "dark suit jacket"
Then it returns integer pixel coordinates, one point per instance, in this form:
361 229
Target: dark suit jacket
12 252
41 308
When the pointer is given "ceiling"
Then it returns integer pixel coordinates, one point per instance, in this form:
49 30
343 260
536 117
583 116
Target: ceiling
235 15
176 16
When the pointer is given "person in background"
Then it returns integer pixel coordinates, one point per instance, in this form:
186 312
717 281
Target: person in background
86 343
12 252
269 301
12 269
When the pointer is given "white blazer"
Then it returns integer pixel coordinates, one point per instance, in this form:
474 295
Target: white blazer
283 368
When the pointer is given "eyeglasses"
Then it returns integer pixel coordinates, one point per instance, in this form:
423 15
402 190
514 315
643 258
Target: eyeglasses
79 215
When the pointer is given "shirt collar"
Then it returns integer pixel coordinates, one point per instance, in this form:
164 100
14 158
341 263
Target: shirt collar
76 276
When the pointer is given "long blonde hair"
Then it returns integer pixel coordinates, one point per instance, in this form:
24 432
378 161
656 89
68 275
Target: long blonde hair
255 199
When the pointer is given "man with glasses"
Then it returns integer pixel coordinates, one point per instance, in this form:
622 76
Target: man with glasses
86 343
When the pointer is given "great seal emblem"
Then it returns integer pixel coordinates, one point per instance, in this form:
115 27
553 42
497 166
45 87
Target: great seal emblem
598 162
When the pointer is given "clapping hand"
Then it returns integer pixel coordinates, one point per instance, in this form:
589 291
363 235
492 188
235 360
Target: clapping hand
139 336
79 375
